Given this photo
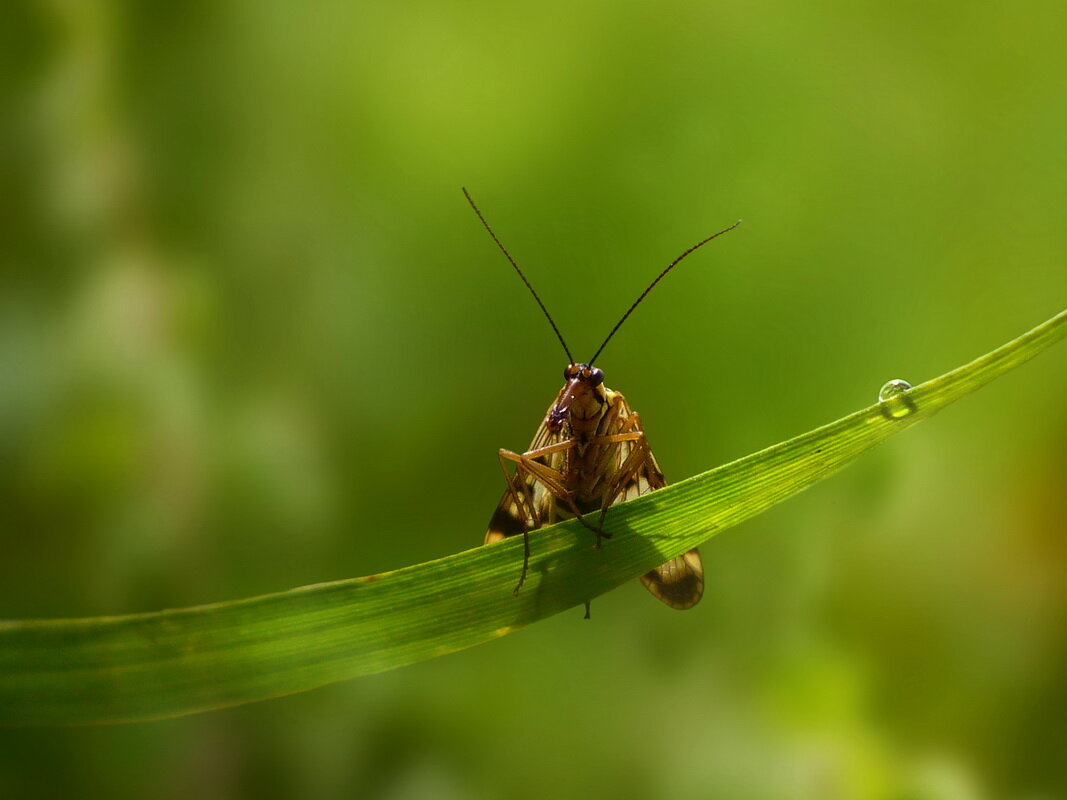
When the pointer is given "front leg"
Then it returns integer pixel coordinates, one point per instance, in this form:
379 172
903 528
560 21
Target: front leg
552 479
519 494
628 430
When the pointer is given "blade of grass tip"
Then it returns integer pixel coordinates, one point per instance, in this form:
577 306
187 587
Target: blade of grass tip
168 663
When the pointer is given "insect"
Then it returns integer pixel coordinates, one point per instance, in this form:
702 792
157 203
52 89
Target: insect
589 453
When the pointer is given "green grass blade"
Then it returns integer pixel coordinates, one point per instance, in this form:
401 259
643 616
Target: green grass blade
144 666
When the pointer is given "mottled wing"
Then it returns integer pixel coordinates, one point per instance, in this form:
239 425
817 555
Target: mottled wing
680 582
507 520
526 504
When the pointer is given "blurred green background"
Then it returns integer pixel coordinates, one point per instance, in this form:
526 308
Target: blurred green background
252 337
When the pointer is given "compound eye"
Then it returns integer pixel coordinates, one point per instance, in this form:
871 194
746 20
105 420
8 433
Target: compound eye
568 372
596 377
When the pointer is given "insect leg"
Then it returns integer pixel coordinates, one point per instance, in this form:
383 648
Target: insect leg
552 479
517 497
627 470
524 506
615 438
630 470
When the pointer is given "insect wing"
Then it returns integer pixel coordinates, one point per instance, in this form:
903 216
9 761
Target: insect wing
527 504
679 582
506 521
631 471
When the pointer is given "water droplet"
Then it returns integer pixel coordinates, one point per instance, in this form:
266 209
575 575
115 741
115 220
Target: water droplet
894 399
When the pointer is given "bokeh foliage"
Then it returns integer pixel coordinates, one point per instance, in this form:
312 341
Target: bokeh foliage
244 305
155 665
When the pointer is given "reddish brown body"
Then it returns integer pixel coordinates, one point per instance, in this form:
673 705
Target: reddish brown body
589 453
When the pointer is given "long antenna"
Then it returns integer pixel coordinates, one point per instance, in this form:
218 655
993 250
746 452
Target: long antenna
521 275
659 277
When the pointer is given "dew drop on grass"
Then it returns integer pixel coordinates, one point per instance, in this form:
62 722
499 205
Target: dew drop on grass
894 399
